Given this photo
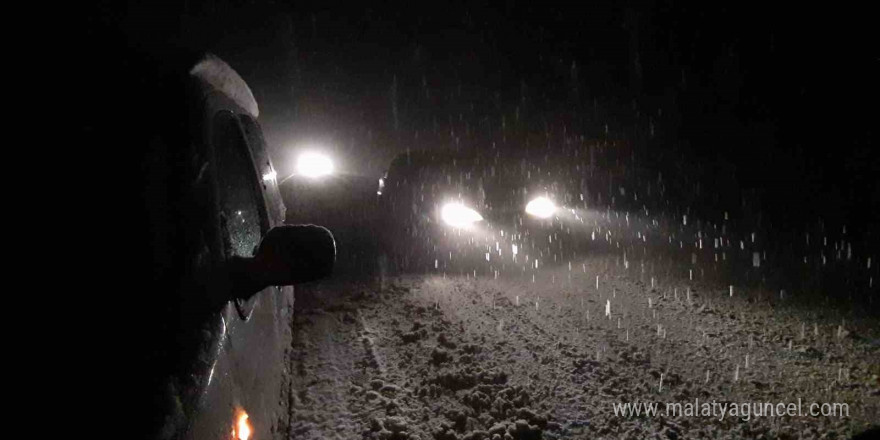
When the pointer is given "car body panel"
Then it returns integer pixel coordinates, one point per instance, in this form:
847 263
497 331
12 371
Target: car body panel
211 357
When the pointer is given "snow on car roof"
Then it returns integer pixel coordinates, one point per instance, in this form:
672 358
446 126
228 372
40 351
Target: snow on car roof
219 75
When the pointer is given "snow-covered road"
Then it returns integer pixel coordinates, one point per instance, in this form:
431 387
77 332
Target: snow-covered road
457 357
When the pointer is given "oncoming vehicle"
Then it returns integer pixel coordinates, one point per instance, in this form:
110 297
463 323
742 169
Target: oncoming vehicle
219 264
428 196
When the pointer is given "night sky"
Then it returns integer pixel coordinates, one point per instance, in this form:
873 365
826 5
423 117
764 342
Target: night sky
785 97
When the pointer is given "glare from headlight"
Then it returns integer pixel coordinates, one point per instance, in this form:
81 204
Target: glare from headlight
314 165
541 207
458 215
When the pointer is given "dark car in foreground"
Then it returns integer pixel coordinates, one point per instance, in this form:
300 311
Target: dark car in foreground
211 263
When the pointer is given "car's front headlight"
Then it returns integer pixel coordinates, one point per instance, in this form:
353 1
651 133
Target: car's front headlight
314 165
541 207
458 215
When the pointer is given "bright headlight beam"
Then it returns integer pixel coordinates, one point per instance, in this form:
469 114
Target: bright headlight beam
314 165
541 207
458 215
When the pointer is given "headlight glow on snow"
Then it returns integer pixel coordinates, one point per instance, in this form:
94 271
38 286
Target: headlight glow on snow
458 215
541 207
314 165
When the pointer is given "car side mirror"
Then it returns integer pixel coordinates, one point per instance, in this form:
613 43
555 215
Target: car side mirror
290 254
294 254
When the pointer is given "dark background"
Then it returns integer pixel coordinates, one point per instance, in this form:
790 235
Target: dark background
783 97
774 105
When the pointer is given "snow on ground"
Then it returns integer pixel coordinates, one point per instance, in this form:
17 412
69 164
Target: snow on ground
458 357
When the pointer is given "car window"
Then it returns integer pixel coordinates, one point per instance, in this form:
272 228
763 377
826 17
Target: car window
240 201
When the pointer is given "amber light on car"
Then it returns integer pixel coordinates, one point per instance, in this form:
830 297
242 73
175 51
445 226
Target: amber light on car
241 427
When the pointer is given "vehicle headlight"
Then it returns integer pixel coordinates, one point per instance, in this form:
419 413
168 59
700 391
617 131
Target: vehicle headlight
458 215
314 165
541 207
